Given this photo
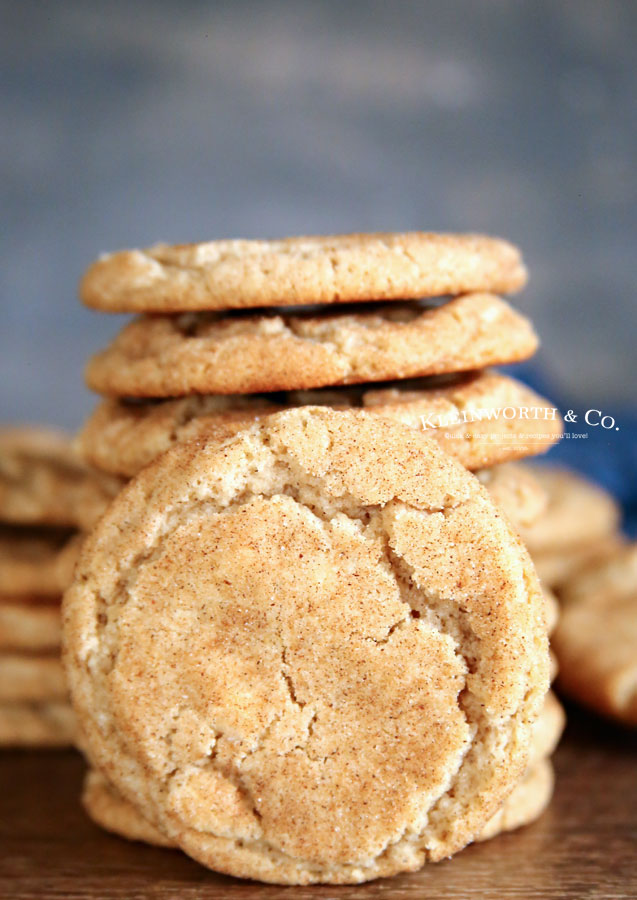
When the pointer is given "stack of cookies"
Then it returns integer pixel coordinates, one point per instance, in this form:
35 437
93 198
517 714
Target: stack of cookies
304 644
46 494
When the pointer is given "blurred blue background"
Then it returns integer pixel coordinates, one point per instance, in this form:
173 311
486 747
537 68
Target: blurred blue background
131 122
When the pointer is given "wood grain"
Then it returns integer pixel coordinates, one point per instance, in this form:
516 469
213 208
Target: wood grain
585 846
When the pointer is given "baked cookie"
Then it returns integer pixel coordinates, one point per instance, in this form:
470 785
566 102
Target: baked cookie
36 561
557 567
266 637
30 679
28 624
596 637
122 437
209 353
42 482
516 490
235 274
525 804
49 724
108 809
578 512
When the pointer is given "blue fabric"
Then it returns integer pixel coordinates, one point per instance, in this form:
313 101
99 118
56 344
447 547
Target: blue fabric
608 456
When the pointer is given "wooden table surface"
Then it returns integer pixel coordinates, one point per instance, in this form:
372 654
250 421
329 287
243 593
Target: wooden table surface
584 846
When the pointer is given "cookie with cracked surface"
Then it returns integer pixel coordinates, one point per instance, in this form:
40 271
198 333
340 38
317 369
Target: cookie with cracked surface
235 274
578 512
48 724
320 573
43 482
596 637
209 353
121 437
36 561
525 804
29 624
108 809
26 678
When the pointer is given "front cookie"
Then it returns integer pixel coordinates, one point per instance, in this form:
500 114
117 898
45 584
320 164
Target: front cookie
312 653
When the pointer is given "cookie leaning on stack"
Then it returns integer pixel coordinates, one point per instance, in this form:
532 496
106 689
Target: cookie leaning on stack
45 494
311 577
108 809
220 346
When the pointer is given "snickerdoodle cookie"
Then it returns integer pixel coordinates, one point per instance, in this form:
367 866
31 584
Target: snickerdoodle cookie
42 482
29 624
596 637
212 353
36 561
26 678
460 413
267 636
578 512
516 490
108 809
47 724
232 274
557 567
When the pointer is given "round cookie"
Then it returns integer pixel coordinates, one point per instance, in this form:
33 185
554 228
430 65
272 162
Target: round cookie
29 624
596 637
122 437
42 482
615 576
525 804
36 561
235 274
578 512
108 809
208 353
31 679
516 490
557 567
49 724
320 574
